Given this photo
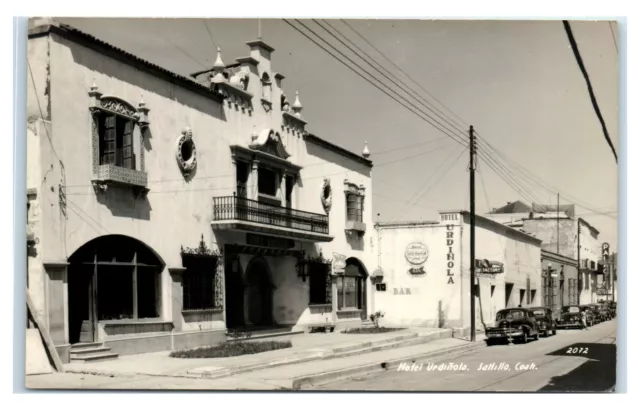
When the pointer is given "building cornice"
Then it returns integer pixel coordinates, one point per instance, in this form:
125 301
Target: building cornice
89 41
552 256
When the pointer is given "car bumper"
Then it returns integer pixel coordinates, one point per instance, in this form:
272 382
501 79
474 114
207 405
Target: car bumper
570 324
504 334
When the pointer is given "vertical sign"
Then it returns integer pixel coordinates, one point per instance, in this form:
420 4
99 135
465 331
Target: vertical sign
450 255
605 252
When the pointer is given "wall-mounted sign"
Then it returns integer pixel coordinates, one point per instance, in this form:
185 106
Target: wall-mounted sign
339 263
416 253
449 217
490 267
450 255
605 251
401 291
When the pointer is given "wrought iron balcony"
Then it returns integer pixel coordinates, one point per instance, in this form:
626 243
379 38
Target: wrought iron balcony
242 214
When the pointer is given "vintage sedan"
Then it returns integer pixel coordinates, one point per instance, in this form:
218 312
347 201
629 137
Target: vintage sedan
546 320
569 317
513 324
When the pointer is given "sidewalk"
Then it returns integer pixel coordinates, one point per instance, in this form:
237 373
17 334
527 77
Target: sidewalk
306 348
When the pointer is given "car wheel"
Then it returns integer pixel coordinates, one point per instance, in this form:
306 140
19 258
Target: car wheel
525 337
555 331
489 342
537 336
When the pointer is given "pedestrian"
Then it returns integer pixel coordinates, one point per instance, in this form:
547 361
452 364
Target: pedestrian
583 319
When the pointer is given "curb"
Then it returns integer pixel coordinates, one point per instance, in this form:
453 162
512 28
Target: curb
414 338
323 378
335 353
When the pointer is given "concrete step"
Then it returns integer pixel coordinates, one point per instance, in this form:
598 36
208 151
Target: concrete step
85 345
88 351
276 334
95 357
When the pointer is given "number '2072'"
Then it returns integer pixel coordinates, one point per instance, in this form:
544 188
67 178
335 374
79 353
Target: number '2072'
577 350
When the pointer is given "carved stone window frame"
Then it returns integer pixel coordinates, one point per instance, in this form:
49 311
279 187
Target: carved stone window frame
104 174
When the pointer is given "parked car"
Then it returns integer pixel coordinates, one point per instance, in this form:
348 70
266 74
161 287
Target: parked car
569 317
590 316
606 311
598 314
612 308
513 323
545 319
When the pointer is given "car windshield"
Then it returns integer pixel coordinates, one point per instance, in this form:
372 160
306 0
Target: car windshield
539 312
571 309
510 315
584 308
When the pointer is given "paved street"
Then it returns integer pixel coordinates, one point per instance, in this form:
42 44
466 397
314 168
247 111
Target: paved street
543 365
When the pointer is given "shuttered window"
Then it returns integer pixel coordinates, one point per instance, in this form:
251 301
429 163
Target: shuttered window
116 141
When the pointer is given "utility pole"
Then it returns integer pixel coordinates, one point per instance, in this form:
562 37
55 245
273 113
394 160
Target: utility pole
579 290
558 225
472 232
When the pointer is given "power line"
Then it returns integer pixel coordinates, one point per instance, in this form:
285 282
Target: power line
416 201
404 72
406 88
594 102
459 140
615 43
183 51
215 43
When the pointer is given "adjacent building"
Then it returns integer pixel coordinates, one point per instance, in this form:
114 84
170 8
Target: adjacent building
424 271
165 210
563 233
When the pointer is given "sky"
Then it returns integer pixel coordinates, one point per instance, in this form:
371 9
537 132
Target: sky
516 82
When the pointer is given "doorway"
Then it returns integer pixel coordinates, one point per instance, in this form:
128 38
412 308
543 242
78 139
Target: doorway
508 289
259 293
234 291
82 326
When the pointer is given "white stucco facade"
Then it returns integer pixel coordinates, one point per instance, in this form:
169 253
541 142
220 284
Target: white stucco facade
70 206
436 293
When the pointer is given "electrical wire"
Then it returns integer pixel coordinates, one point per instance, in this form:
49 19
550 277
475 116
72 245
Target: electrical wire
462 122
421 114
594 101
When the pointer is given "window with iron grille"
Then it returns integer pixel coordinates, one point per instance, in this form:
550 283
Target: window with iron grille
116 140
198 283
355 203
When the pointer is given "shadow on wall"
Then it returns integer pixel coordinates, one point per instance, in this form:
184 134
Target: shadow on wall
124 203
356 242
139 78
441 315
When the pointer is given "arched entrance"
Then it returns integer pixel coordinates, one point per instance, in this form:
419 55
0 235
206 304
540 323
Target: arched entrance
259 293
113 277
352 287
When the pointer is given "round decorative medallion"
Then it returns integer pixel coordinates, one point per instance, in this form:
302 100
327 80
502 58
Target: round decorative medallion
416 253
326 195
186 152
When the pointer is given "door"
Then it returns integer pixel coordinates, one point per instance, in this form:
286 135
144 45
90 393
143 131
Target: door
234 291
82 324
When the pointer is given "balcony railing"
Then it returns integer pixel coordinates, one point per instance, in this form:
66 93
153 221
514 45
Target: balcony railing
227 208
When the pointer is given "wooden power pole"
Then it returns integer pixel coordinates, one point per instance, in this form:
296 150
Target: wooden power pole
472 232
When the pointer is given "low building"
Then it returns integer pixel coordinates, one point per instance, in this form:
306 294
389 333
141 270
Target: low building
564 233
559 280
424 274
166 210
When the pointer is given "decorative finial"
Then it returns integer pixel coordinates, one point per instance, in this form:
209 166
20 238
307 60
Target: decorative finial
187 132
218 67
141 104
218 64
254 134
297 105
365 151
94 86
